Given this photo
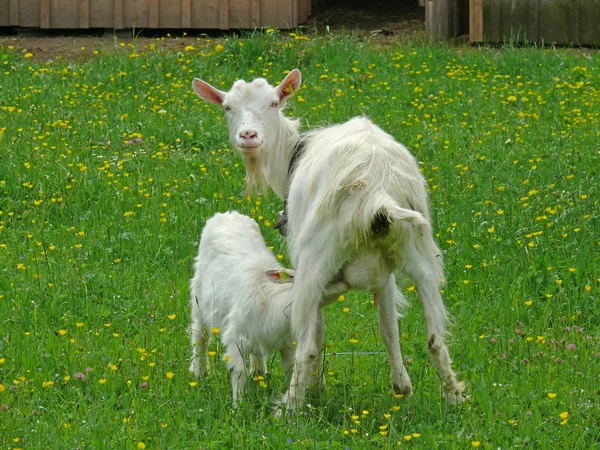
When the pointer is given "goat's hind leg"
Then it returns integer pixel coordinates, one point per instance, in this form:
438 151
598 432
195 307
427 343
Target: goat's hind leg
425 270
389 299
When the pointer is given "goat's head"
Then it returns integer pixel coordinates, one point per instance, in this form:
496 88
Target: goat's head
253 115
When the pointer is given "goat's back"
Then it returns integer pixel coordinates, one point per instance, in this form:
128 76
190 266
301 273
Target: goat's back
349 175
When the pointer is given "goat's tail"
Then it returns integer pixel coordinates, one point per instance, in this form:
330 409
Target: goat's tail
381 217
376 216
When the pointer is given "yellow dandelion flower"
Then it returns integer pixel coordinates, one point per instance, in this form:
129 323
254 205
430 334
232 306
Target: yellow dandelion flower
551 395
102 380
141 446
170 375
475 444
564 415
172 316
215 330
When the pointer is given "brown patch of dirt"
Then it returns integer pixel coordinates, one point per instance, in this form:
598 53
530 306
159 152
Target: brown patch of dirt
382 21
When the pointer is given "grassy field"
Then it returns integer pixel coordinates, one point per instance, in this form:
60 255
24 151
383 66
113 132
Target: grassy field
110 166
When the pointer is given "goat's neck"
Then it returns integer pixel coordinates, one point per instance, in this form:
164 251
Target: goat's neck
276 159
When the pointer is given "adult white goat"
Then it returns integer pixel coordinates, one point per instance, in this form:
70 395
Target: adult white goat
354 196
234 290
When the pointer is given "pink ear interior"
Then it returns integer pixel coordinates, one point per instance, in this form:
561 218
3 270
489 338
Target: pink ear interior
208 93
280 276
289 85
273 275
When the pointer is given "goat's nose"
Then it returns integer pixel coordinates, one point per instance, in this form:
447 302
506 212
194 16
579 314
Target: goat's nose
248 134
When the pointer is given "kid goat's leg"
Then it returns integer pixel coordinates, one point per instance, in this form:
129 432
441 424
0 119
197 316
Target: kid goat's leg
388 328
237 367
199 340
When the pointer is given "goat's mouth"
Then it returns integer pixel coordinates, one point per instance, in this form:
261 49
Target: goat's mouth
249 148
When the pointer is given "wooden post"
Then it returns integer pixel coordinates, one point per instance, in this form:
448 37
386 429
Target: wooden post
186 13
224 14
439 19
475 21
44 13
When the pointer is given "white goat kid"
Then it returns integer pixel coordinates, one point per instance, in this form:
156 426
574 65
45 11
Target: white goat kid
234 289
358 209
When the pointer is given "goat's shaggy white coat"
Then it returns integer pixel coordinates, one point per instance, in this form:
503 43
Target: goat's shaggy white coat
348 174
230 291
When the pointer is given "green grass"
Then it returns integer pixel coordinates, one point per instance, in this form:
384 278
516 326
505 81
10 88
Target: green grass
107 177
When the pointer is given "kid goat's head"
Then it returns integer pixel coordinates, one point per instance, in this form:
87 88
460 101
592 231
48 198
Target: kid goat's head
254 117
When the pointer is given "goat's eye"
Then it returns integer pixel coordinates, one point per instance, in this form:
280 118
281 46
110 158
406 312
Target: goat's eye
227 108
275 104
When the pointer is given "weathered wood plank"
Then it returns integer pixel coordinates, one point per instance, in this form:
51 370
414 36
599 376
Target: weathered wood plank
475 21
574 21
533 23
14 13
118 14
84 14
44 13
255 21
224 14
153 14
186 13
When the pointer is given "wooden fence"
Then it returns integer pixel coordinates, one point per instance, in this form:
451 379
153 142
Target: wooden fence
562 22
120 14
565 22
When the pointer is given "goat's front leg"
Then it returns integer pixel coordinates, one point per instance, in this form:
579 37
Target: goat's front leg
388 328
307 352
317 378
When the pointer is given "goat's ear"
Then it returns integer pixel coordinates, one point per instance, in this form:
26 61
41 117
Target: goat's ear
206 92
280 276
289 86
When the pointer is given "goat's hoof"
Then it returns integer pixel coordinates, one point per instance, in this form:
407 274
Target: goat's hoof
402 391
455 396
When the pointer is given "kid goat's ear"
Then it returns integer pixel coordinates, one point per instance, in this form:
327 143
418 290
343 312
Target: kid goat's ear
280 276
208 93
289 86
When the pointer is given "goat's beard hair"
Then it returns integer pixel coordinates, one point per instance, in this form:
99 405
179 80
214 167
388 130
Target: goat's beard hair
255 178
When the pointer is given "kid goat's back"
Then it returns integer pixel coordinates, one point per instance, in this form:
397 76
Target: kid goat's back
242 293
